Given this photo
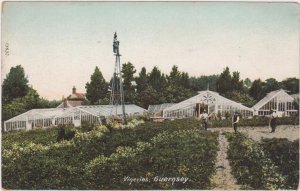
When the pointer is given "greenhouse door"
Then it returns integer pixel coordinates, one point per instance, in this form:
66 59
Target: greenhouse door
203 107
200 109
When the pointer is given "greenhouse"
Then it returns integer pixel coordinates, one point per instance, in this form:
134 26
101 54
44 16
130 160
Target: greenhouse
156 110
52 117
207 100
277 100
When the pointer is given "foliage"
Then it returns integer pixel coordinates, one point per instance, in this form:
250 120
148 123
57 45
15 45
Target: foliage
142 80
63 134
290 84
147 97
128 72
201 83
256 90
223 83
63 165
251 166
241 97
271 84
236 83
157 80
247 83
285 155
156 158
21 105
15 85
97 88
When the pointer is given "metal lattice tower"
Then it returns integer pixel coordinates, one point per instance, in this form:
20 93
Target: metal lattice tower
117 93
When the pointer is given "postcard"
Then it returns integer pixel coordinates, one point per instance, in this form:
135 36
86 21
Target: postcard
149 95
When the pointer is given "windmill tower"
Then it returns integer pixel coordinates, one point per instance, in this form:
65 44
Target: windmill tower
117 93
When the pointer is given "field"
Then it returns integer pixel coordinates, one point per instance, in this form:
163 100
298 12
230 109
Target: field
175 154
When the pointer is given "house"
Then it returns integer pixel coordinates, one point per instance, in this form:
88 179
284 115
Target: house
73 100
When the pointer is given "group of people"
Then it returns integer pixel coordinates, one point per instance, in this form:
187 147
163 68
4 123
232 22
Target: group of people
204 117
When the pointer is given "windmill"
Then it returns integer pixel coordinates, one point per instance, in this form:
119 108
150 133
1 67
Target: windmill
117 93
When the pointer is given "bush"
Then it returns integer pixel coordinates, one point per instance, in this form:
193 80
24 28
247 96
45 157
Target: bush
173 154
285 155
50 165
251 166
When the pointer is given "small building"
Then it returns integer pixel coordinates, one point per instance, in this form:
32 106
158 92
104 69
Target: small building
278 100
207 100
73 100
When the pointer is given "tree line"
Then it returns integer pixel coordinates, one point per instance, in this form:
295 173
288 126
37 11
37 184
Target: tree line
144 88
155 87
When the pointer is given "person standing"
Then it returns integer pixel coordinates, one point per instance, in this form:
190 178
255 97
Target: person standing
235 120
273 120
204 118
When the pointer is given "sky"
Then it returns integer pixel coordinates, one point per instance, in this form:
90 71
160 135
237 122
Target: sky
59 44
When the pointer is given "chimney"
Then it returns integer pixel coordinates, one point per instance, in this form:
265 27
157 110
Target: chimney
64 102
73 90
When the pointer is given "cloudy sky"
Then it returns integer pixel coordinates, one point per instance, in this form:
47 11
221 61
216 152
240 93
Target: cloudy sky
60 44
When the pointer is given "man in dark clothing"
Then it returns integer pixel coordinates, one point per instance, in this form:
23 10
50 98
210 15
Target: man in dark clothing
273 121
204 117
235 120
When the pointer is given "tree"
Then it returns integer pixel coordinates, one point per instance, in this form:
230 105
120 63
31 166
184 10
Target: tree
97 88
201 83
142 80
20 105
185 80
15 85
174 78
270 84
241 97
247 83
128 72
291 84
256 90
148 97
236 84
157 80
224 82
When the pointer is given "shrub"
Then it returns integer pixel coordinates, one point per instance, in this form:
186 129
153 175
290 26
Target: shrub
285 155
251 166
175 154
45 164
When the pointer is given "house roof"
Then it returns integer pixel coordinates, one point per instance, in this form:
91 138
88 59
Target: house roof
77 96
281 94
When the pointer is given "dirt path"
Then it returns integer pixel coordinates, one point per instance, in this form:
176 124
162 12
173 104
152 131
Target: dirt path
223 179
290 132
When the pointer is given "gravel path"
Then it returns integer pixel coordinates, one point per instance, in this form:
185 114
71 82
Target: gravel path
290 132
223 180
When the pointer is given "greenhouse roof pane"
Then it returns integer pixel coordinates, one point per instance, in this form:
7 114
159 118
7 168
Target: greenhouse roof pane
278 93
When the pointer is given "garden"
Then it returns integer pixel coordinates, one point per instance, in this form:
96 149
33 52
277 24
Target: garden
143 155
97 158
